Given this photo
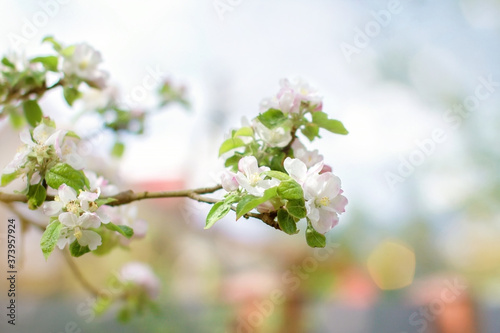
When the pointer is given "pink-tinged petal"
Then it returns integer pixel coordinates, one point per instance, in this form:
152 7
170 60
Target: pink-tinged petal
26 137
331 184
315 169
103 216
91 239
339 203
228 181
327 220
89 196
266 207
66 194
248 165
68 219
326 168
296 169
89 220
52 208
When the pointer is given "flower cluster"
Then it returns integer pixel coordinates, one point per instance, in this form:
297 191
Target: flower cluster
42 148
82 61
78 214
272 171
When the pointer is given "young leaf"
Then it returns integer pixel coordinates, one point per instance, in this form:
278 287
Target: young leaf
121 229
118 149
16 119
314 238
76 250
334 126
7 178
55 44
50 237
291 190
36 196
218 211
244 131
230 144
8 63
71 95
249 202
272 118
63 173
286 222
311 131
297 208
49 62
104 201
278 175
32 112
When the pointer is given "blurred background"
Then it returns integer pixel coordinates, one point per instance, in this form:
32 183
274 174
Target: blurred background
415 82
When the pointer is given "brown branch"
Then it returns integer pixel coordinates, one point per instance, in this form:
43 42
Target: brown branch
129 196
39 91
79 276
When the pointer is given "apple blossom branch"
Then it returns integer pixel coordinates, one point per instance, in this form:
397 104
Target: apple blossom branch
130 196
73 267
16 94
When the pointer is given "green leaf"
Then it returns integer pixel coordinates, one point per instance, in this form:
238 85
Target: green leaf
121 229
232 162
218 211
244 131
68 51
16 120
249 202
9 177
314 238
49 62
32 112
104 201
76 250
278 175
63 173
334 126
50 237
290 190
8 63
71 95
277 162
272 118
230 144
55 44
36 196
311 131
297 208
118 149
286 222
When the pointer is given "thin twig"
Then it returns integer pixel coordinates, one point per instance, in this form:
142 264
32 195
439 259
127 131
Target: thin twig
79 276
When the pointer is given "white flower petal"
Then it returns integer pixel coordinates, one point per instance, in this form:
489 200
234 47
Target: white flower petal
89 196
26 137
52 208
68 219
103 216
90 238
296 169
89 220
66 194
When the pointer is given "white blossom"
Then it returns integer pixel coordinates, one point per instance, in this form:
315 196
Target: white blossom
250 176
141 275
